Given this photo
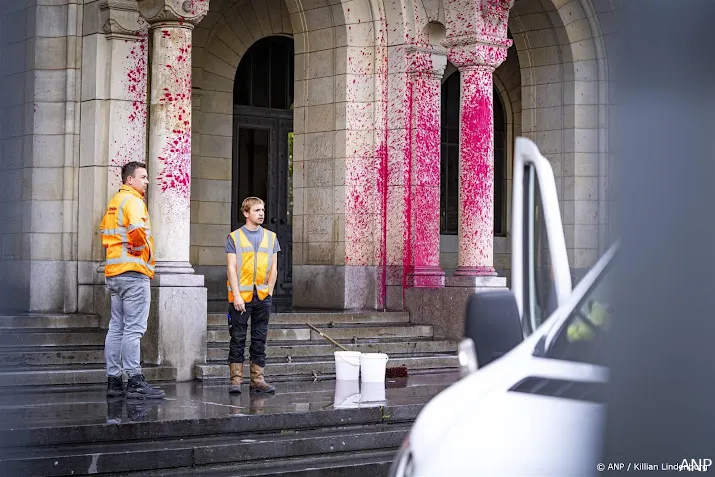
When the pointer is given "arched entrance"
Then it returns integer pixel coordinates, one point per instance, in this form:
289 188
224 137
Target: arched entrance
263 144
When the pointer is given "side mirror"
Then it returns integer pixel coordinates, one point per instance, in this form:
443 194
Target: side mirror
493 323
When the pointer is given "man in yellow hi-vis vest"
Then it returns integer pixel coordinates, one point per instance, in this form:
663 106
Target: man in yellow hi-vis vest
252 272
126 235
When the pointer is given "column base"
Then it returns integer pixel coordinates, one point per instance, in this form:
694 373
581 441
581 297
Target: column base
445 308
176 331
476 281
426 277
174 268
463 271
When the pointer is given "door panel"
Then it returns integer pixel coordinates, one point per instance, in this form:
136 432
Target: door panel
262 168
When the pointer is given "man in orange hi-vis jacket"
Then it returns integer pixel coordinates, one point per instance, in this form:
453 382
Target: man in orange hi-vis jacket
126 235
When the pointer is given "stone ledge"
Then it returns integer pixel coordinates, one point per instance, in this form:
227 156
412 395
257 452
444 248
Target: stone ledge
177 280
444 308
476 282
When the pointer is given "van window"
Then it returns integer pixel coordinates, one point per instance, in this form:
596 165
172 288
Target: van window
581 337
540 293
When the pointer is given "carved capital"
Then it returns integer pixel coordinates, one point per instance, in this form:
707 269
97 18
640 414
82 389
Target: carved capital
187 13
426 61
473 50
487 18
120 19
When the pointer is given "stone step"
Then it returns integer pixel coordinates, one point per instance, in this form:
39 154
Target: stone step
317 318
214 392
199 451
58 337
59 355
274 352
60 375
201 409
199 429
356 464
220 334
39 410
50 321
323 368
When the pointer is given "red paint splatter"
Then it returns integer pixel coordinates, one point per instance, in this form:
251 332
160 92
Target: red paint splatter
485 27
175 100
392 192
131 142
476 172
426 271
175 174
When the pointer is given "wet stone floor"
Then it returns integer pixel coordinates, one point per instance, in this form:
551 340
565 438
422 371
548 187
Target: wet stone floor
88 405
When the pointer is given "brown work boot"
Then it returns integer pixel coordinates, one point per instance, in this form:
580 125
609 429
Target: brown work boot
258 384
236 370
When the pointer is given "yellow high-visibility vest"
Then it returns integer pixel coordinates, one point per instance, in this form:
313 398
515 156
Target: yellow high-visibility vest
253 267
126 235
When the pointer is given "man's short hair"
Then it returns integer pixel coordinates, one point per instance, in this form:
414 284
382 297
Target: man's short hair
130 168
249 202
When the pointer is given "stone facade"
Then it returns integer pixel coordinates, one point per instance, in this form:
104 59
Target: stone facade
80 97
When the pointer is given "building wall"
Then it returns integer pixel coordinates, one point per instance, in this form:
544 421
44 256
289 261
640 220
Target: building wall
325 109
565 97
67 103
40 151
219 42
556 94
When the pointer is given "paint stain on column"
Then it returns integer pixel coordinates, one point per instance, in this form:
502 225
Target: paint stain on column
175 157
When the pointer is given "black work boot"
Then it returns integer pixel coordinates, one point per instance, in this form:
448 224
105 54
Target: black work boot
115 386
138 388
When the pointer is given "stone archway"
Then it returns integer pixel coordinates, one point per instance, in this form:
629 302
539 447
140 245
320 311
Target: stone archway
333 141
564 98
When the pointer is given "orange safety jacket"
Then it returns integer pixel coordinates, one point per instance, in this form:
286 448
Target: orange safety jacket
126 235
253 268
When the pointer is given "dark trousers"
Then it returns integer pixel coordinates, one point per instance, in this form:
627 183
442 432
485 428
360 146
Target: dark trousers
259 312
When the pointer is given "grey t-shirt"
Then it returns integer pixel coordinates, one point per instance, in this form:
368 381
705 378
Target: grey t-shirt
254 236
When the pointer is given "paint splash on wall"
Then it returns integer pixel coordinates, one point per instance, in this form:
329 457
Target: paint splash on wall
426 184
130 139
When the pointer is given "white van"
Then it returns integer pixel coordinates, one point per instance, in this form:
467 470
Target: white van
534 404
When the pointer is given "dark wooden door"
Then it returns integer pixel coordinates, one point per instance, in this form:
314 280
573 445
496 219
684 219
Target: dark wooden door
262 167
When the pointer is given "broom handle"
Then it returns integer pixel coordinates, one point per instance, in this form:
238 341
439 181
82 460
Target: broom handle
327 337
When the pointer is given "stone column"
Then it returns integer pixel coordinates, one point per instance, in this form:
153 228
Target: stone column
113 128
171 24
476 58
177 326
426 68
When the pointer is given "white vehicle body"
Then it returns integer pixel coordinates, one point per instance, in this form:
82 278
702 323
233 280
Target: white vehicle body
533 411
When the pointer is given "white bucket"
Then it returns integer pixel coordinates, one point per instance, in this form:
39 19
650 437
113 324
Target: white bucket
372 367
347 365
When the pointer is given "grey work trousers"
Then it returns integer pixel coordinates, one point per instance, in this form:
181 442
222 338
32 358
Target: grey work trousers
130 311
